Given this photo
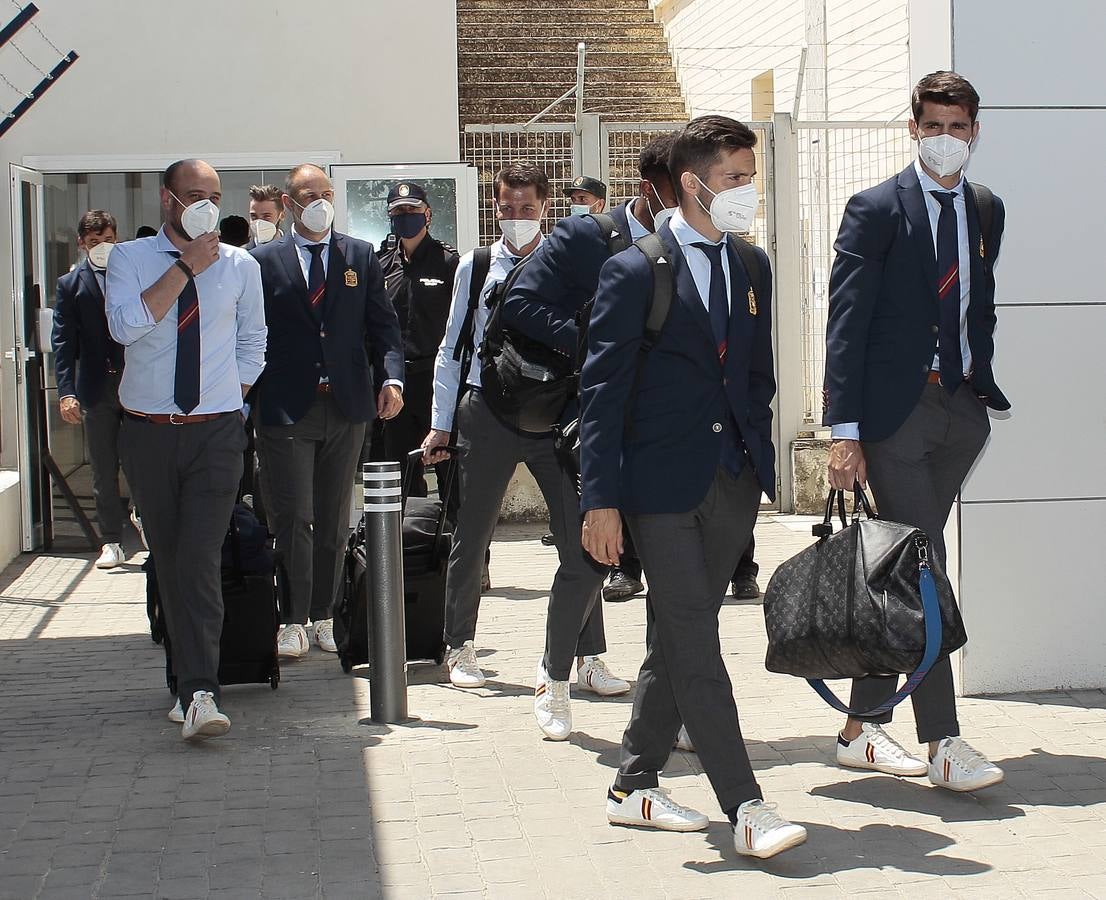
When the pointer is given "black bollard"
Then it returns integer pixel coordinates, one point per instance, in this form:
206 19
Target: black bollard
384 549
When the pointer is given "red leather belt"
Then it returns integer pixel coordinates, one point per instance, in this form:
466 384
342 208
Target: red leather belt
176 418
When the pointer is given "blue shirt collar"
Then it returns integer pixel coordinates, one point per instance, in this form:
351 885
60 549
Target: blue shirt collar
928 184
301 241
685 234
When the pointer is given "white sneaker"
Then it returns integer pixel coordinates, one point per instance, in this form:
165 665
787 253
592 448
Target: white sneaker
323 633
136 521
959 767
176 714
594 675
551 706
652 808
204 719
464 670
761 832
875 749
111 555
292 642
683 740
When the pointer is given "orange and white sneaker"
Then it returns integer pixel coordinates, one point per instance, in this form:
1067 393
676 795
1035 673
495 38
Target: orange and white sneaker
552 708
593 675
652 808
875 749
203 719
958 767
761 832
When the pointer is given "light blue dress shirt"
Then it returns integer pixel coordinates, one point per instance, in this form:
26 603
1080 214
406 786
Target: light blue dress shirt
697 261
232 327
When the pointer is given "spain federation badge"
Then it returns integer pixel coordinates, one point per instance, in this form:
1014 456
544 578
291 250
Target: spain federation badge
351 278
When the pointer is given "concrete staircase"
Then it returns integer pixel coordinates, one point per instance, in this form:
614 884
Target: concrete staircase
513 59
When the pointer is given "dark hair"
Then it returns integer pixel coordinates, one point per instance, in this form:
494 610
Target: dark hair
145 231
96 221
265 193
520 175
290 181
234 230
169 176
653 161
945 89
699 145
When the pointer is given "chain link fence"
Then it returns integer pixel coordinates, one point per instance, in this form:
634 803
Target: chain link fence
836 160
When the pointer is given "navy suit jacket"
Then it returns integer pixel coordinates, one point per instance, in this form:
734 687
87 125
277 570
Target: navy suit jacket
559 278
666 460
83 348
881 334
359 333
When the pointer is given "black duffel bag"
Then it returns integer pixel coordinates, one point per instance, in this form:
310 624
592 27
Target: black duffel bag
868 600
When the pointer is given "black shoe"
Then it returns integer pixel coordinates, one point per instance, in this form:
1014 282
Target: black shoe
547 540
621 587
485 580
745 587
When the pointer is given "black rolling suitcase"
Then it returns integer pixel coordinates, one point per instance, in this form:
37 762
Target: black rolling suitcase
254 591
427 540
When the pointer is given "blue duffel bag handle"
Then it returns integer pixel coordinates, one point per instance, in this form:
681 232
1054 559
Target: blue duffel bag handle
931 614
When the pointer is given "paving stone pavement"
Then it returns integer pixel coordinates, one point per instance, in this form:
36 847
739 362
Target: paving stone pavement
99 797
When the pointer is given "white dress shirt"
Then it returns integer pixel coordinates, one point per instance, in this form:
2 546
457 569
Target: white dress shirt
447 370
698 261
851 430
232 327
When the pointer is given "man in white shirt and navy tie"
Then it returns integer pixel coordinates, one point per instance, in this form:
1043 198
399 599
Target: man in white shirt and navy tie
189 312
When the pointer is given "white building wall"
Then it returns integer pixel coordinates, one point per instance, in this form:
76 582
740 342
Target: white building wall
213 77
1033 513
720 46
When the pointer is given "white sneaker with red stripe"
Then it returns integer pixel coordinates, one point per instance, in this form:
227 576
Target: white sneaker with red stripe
551 706
652 808
761 832
875 749
958 767
594 676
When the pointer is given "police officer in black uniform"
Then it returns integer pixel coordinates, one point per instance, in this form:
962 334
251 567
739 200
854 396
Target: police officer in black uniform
418 278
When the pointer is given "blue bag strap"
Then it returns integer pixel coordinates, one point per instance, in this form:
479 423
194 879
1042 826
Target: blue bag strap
931 612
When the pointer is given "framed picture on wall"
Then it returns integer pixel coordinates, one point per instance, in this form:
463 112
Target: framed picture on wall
361 200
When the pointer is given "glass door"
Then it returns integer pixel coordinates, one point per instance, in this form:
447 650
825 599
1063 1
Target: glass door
28 269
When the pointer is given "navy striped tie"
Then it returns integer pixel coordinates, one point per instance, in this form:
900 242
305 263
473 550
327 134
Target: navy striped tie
948 293
186 380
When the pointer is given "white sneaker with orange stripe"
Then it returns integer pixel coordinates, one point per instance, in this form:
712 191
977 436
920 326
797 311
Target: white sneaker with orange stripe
593 675
652 808
551 706
958 767
762 832
875 749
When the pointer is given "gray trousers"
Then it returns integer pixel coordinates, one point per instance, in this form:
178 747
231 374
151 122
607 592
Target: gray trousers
308 469
689 559
915 476
102 422
490 452
185 479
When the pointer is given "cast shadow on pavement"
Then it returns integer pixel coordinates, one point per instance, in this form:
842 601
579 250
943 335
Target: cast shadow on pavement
829 850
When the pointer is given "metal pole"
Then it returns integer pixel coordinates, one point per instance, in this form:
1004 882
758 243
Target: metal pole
384 550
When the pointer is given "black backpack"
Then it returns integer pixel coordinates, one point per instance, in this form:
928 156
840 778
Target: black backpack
526 384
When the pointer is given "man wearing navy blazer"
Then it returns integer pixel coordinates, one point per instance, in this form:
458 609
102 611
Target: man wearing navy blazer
909 343
333 336
679 439
89 365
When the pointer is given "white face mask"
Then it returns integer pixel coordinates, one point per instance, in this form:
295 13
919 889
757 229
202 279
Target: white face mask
733 210
199 218
944 154
99 254
519 232
317 216
579 209
661 216
262 231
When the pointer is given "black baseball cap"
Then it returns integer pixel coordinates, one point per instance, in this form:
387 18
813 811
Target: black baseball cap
405 193
591 185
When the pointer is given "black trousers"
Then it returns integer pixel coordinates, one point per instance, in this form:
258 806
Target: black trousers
690 558
915 476
630 565
185 479
102 422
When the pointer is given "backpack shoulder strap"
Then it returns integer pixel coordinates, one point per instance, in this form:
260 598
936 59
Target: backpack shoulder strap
616 240
481 265
655 252
747 253
985 206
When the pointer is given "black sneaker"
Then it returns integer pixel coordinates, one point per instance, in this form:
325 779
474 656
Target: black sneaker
485 580
621 587
745 587
547 539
